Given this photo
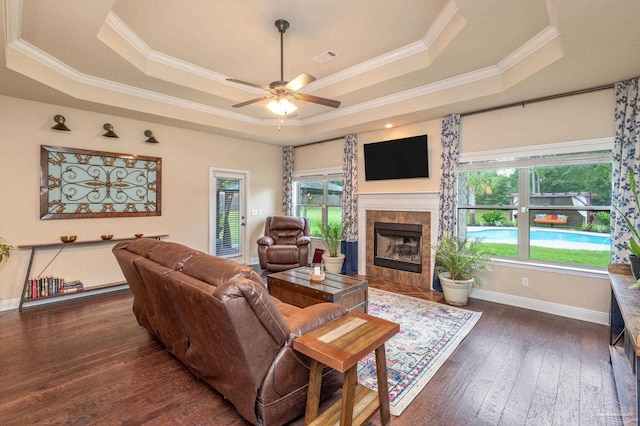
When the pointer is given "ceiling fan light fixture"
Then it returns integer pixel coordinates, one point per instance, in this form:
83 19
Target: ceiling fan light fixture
281 106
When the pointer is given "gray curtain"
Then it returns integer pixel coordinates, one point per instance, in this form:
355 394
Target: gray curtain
287 181
349 245
450 140
626 152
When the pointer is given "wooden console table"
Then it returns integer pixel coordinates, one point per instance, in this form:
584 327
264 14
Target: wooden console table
59 297
625 365
340 344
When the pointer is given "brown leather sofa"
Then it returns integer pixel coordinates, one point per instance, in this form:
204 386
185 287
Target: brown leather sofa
216 316
285 244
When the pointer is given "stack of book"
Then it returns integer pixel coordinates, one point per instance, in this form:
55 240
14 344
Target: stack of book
72 287
51 286
44 287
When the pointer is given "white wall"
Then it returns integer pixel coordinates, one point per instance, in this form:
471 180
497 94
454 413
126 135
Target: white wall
187 157
575 118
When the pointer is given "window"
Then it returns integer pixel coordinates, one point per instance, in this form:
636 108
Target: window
548 209
319 198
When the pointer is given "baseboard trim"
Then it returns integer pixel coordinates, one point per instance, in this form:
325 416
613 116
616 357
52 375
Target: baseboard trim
9 304
476 293
542 306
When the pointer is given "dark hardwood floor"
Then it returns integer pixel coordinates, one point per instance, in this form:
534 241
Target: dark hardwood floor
89 362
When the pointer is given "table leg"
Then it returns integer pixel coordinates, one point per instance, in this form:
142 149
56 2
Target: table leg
313 392
348 395
383 387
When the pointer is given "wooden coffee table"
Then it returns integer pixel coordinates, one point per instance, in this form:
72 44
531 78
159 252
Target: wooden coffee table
296 288
340 344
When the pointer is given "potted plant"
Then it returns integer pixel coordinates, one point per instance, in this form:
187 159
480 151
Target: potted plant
332 235
5 250
457 261
634 240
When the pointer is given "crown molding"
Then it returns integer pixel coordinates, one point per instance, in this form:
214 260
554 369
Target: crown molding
150 55
539 41
72 74
13 24
441 22
531 46
13 19
143 50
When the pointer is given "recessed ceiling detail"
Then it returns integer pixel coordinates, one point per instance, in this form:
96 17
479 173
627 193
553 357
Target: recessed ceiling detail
407 62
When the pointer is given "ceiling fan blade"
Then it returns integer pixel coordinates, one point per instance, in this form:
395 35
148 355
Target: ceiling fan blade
299 82
246 83
252 101
318 100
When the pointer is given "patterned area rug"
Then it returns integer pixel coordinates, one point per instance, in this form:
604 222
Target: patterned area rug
429 333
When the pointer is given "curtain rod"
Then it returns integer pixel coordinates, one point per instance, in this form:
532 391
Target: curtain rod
322 141
511 105
544 98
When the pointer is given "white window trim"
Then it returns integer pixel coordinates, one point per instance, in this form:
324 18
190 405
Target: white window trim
317 173
504 158
572 147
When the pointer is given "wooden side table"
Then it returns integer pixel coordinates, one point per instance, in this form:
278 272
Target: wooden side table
340 345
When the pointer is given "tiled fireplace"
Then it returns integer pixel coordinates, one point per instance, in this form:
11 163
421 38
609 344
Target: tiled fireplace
410 208
397 246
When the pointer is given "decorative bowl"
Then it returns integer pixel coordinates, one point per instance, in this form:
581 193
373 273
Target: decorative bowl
138 235
68 238
106 236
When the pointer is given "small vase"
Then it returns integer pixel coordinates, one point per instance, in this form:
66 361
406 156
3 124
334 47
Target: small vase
634 261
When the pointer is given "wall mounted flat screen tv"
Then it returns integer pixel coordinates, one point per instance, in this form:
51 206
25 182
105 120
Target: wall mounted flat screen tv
397 159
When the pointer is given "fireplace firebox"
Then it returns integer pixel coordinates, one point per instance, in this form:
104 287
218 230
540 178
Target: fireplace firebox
398 246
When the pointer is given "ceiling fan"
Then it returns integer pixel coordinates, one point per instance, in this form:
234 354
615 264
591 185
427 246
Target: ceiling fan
281 91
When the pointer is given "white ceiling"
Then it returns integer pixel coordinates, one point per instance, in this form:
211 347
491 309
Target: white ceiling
401 62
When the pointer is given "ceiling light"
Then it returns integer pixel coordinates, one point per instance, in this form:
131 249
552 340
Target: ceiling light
388 125
281 106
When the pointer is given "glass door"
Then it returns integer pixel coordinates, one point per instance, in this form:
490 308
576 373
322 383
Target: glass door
227 219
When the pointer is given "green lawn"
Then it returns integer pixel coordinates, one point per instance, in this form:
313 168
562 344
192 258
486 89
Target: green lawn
578 257
315 218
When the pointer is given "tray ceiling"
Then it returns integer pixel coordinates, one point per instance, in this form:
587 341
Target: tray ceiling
401 62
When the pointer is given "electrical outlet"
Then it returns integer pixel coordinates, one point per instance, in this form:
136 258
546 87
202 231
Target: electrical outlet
525 282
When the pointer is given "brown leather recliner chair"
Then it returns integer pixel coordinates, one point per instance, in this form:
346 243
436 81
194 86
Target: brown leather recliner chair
285 244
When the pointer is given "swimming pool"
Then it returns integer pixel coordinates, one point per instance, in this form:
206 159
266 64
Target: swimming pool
543 237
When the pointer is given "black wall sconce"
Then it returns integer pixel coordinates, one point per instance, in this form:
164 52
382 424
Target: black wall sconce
110 133
151 136
60 126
